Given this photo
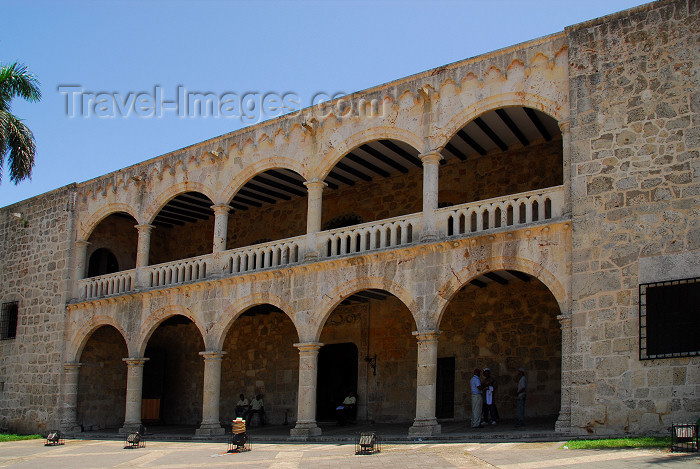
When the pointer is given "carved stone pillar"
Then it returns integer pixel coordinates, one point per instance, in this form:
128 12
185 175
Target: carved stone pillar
313 216
565 128
431 166
308 370
563 423
425 423
212 392
81 247
134 391
220 226
69 416
143 250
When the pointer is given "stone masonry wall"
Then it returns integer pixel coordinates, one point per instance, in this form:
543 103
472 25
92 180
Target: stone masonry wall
102 381
261 358
635 141
34 268
505 327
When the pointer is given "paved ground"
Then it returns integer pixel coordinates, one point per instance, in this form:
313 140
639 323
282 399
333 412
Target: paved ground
94 454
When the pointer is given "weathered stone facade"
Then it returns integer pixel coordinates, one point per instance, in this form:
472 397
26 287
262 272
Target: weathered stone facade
521 254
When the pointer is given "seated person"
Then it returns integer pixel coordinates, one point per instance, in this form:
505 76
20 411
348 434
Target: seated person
257 407
346 409
242 407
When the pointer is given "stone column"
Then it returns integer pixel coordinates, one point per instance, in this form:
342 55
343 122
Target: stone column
313 216
425 423
565 128
431 166
134 390
563 423
220 226
69 417
306 400
81 247
212 392
143 250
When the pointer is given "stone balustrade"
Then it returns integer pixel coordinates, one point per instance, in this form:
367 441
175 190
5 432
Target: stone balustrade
178 272
262 256
370 236
501 212
106 285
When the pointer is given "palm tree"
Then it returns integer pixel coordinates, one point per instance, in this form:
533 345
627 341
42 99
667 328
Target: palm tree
16 140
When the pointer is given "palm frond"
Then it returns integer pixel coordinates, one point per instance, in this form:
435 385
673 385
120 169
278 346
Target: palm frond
16 80
21 146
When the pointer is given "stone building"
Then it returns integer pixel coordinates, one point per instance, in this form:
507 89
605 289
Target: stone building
529 207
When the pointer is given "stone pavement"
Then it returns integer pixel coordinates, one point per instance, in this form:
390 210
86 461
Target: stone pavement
93 454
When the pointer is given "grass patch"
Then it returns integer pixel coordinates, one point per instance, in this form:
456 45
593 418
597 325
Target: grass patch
12 437
640 442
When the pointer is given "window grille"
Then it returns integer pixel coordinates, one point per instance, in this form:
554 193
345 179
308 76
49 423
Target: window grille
8 320
669 318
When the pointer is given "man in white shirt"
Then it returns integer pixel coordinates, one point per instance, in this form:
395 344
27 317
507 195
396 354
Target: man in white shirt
477 399
242 407
521 395
257 407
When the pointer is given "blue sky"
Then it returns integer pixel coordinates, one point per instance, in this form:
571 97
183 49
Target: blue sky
124 48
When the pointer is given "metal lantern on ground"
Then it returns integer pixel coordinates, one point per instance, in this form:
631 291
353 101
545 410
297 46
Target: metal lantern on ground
135 439
54 438
238 441
368 443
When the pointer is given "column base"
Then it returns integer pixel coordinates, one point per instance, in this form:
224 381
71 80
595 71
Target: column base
130 427
304 430
563 423
427 427
210 429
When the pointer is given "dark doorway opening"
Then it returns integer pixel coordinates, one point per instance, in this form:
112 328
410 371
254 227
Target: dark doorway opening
337 376
102 262
445 391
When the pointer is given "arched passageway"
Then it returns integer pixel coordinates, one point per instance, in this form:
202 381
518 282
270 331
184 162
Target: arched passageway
261 359
378 327
173 375
503 320
112 245
102 380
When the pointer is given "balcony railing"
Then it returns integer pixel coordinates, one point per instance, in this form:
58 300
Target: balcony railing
498 213
106 285
262 256
501 212
370 236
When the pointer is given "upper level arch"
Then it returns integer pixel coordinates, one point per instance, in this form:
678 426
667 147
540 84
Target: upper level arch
87 226
173 191
250 171
512 99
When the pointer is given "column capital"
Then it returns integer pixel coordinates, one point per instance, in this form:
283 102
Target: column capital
72 367
144 228
133 362
213 354
564 321
427 336
315 184
221 208
564 126
308 347
82 243
430 157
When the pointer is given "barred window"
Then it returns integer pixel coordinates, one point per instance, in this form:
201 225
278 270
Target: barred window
669 319
8 320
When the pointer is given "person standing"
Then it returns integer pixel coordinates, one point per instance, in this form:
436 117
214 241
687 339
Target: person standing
489 385
477 399
521 395
257 407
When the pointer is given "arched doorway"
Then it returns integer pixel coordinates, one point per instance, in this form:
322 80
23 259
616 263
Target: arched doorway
173 375
102 381
503 320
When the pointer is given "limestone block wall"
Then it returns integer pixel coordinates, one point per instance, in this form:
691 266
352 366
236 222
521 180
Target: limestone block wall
102 381
34 268
505 327
261 358
635 141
